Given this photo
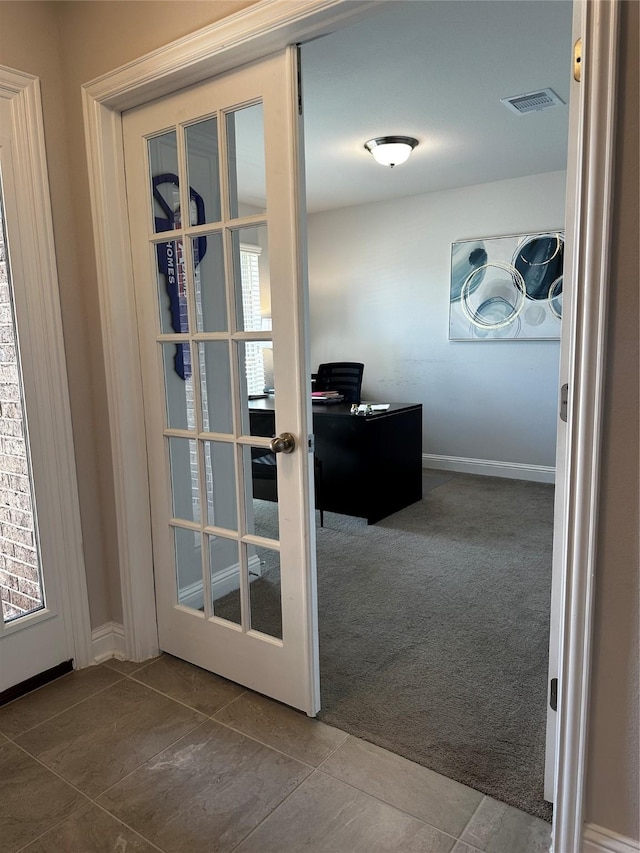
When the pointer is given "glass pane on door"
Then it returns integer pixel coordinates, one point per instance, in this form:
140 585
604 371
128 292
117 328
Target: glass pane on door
209 283
188 554
165 187
21 584
264 591
220 478
172 287
224 568
252 284
178 385
203 167
245 152
261 492
185 485
215 387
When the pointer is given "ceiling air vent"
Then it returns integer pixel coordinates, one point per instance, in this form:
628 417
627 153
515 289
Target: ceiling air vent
532 102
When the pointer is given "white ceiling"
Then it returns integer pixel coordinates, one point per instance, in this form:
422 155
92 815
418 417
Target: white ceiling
436 70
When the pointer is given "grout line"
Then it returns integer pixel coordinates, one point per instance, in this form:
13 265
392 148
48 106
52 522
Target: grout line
137 767
272 812
167 696
335 749
135 831
387 803
55 773
262 743
64 710
143 665
87 799
249 737
468 823
229 703
53 826
147 760
212 718
132 677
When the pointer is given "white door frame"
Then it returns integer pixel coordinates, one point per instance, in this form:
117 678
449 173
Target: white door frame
48 411
254 32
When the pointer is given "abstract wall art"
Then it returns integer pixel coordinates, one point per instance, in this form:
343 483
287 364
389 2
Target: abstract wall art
507 288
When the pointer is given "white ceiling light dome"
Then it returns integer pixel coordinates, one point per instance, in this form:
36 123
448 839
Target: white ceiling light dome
391 150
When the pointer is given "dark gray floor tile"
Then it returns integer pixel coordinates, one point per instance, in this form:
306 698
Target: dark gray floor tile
463 847
401 783
196 687
206 792
325 815
499 828
97 742
36 707
281 727
90 830
32 799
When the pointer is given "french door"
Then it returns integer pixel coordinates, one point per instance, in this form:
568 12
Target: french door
212 187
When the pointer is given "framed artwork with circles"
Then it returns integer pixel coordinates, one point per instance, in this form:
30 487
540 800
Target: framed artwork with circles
507 288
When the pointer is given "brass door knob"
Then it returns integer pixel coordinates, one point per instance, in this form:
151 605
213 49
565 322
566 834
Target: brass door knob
284 443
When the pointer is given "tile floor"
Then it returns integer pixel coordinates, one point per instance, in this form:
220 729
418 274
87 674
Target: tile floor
131 758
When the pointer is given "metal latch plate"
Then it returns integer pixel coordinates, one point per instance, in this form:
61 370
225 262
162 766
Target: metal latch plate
564 402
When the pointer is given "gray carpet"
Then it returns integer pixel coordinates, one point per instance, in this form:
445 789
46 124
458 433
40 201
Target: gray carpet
434 628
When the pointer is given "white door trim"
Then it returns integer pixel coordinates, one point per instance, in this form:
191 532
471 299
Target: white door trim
50 407
258 30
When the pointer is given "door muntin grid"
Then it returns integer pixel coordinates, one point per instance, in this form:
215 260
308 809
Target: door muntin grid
213 338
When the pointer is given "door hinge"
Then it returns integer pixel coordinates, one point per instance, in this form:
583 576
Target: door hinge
564 402
577 61
312 443
299 70
553 694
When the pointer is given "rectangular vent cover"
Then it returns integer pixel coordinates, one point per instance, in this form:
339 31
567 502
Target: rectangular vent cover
532 102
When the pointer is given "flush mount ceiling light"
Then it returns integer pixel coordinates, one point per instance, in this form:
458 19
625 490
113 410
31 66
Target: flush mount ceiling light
391 150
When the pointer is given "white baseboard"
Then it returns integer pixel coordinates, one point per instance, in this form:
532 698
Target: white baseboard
107 642
600 840
225 581
490 468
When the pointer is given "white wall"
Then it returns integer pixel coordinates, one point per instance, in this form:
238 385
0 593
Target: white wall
379 293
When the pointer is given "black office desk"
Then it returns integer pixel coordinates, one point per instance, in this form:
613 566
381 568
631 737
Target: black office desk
371 465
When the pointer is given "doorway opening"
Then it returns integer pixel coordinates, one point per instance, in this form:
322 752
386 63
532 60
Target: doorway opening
590 173
434 622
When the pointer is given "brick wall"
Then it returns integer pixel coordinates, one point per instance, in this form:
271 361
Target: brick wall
20 589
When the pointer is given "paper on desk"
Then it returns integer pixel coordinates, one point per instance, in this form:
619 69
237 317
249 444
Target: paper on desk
374 407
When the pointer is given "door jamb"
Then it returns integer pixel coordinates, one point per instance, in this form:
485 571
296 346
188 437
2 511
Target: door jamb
254 32
591 185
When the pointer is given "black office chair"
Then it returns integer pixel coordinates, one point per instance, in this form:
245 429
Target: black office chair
342 376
